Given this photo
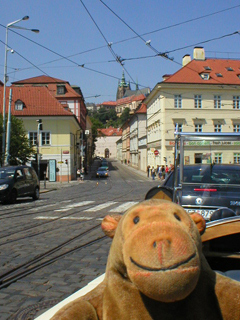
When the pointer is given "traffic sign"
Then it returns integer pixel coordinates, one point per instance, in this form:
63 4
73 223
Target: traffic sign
60 161
156 152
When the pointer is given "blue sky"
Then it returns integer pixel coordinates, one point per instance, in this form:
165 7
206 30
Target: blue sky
67 30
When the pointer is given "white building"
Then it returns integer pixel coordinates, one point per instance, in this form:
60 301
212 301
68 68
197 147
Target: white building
106 142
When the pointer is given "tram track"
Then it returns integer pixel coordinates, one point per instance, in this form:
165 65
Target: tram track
40 261
58 218
44 259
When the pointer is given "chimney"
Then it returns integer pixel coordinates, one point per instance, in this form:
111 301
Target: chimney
166 76
198 53
186 59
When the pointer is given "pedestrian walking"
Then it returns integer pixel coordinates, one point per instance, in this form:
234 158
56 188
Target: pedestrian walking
166 171
163 172
148 171
153 172
78 174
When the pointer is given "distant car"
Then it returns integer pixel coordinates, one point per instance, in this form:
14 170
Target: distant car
102 172
105 167
104 163
18 181
206 188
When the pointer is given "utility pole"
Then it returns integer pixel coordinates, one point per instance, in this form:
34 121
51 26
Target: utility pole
6 160
38 140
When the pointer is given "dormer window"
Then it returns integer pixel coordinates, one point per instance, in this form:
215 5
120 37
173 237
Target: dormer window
219 75
229 69
19 105
207 68
205 76
61 89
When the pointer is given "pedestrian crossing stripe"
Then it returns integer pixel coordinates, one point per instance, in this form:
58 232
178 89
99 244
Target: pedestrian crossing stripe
101 206
74 205
117 209
123 207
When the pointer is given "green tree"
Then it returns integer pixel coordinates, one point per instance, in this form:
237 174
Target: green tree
124 116
20 149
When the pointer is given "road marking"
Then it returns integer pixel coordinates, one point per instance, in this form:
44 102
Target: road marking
77 218
123 207
100 206
74 205
47 206
45 218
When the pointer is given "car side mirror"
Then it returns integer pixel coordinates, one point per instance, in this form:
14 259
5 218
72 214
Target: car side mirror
160 192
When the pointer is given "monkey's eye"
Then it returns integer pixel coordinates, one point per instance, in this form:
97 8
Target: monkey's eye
177 216
136 219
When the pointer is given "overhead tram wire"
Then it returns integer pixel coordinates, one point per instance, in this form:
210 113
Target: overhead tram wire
180 23
163 54
131 38
117 58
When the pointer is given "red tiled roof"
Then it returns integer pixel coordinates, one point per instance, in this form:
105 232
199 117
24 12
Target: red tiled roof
191 73
142 109
130 99
37 101
40 80
110 132
108 103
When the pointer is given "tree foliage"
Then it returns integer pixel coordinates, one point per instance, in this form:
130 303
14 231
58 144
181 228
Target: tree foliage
20 149
105 118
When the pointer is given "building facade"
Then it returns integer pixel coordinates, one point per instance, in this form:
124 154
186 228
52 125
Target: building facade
203 96
106 142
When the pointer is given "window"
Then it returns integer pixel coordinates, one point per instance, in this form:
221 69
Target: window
33 138
45 138
236 104
217 128
219 75
178 101
28 173
198 101
207 68
198 127
218 158
217 102
236 128
236 158
205 76
229 69
61 89
178 127
19 105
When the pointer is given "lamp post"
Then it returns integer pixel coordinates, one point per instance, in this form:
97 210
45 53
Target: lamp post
5 79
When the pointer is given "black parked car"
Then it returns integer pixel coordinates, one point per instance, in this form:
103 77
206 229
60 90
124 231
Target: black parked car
206 188
18 181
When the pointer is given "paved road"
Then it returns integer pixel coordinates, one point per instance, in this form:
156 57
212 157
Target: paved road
67 219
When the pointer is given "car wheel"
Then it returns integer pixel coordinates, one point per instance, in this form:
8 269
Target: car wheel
12 197
36 194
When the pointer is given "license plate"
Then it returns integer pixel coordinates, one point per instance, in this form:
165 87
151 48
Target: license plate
204 212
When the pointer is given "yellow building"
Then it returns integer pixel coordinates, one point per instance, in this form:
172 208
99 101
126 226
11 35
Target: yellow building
203 96
59 139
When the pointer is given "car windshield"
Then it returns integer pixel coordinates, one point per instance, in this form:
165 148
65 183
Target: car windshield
102 169
7 173
212 174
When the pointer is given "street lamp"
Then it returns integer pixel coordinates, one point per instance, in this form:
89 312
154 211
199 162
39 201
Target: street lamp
5 79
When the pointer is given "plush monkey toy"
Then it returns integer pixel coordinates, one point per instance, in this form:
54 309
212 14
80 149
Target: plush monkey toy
156 270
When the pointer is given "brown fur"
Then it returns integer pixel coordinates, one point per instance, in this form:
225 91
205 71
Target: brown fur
156 270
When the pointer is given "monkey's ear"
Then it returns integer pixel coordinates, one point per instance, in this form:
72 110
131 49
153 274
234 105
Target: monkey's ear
109 224
199 221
